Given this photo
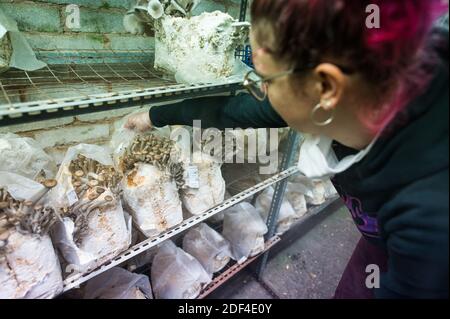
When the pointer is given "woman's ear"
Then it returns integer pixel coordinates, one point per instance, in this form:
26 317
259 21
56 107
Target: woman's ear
331 84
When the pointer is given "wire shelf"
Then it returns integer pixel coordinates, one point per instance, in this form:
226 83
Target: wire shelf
82 79
233 268
78 279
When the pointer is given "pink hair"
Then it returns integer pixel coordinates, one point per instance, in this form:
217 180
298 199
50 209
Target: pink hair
392 57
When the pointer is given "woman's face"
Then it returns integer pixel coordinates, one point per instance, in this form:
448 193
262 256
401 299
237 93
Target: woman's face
293 102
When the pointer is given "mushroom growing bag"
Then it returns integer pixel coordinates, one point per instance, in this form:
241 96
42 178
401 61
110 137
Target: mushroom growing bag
287 216
29 267
205 185
104 229
176 274
24 156
208 246
151 195
244 228
200 49
118 283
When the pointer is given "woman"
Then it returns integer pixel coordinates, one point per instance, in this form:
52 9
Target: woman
381 96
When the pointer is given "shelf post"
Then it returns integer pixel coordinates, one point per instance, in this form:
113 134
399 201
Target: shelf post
280 189
243 11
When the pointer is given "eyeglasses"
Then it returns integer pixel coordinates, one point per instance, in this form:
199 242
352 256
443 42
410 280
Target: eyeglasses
258 86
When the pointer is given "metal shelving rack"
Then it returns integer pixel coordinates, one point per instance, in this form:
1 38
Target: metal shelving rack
82 82
91 81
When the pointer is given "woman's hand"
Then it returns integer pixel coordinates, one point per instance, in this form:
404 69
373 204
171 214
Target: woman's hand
139 122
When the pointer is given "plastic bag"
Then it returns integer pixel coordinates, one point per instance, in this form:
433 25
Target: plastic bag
287 215
177 275
29 267
200 49
318 191
24 156
330 191
108 234
218 218
244 228
118 283
297 199
107 228
31 270
152 197
208 246
15 52
314 190
206 187
62 195
122 138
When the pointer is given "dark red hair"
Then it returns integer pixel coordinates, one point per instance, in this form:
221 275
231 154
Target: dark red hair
391 57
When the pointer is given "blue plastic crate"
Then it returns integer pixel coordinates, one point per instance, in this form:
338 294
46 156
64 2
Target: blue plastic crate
245 54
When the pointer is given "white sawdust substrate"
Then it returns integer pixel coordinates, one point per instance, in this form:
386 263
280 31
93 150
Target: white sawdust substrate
152 198
208 246
30 269
212 186
199 49
109 234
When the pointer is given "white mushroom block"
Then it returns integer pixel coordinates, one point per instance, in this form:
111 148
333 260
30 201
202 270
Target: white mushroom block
244 228
177 275
208 246
211 185
198 49
152 198
30 269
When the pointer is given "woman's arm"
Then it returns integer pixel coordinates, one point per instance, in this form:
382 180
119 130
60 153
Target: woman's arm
241 111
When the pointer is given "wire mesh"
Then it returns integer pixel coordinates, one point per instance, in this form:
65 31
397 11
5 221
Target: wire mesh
81 74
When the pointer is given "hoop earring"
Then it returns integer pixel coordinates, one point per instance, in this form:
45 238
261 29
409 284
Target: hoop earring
323 123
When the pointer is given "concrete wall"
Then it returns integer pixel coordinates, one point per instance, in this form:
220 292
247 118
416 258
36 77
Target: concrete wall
43 23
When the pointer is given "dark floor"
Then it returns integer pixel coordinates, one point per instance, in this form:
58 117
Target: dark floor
306 264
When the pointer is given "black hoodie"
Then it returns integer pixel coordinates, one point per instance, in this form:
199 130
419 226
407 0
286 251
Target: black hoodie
398 194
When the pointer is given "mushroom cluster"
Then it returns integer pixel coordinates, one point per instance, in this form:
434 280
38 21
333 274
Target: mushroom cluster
90 180
81 211
26 217
148 149
176 170
156 151
88 174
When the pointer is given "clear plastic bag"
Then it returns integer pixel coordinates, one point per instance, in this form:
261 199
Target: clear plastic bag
122 138
177 275
200 49
208 246
218 218
244 228
314 190
15 52
211 185
109 233
330 191
118 283
297 199
287 216
152 197
24 156
108 227
29 267
32 270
